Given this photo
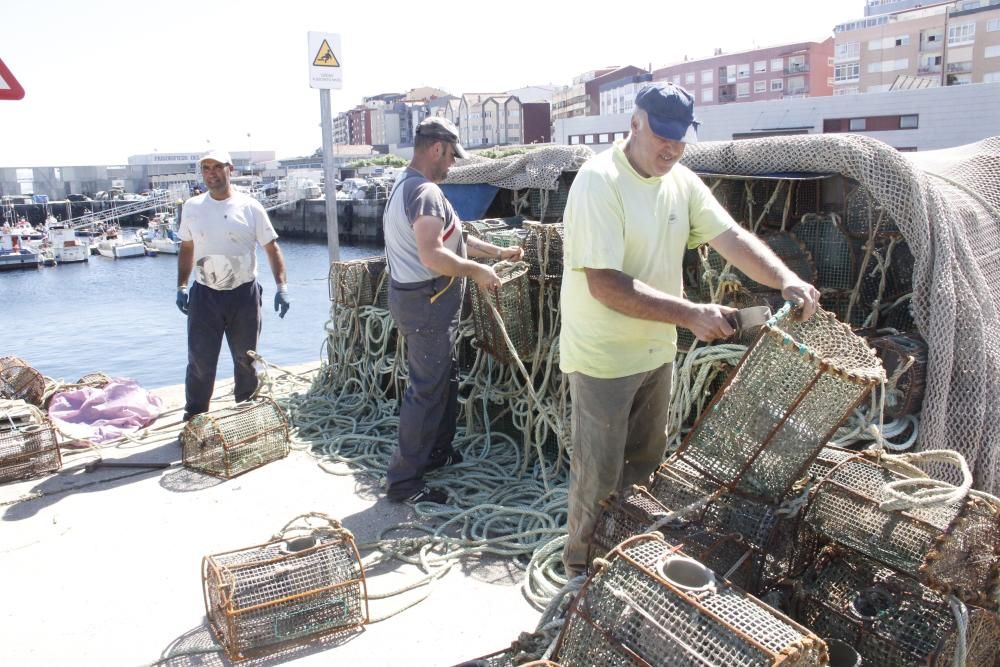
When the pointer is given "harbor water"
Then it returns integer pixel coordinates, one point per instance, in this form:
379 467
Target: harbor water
119 317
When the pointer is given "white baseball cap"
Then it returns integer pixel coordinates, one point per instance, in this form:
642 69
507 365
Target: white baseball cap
220 156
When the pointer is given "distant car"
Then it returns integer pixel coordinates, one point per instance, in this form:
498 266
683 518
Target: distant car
77 198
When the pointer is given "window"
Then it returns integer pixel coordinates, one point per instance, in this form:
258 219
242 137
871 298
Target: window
707 76
991 77
797 64
847 72
676 79
993 25
759 66
888 65
962 33
992 51
760 86
888 42
777 64
909 122
856 124
689 77
588 138
777 85
846 90
602 138
743 71
796 85
847 51
743 89
730 74
574 140
706 94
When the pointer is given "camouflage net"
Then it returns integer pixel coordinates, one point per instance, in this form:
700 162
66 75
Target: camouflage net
946 205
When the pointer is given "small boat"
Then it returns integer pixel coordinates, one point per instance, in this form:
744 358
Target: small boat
162 235
13 255
66 246
116 247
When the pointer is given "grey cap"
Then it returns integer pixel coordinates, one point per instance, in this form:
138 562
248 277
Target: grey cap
439 127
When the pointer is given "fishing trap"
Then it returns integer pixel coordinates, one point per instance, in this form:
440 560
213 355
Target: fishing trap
543 249
230 441
18 380
511 302
904 357
781 404
28 443
359 282
650 604
952 548
306 582
890 619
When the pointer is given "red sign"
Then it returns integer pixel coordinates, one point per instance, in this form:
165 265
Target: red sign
10 89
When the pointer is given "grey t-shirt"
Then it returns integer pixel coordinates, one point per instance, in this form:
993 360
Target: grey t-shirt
413 196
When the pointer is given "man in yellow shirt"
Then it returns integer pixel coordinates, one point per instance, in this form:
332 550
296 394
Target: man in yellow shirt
631 213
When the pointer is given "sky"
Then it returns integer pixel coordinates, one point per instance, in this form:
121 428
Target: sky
106 79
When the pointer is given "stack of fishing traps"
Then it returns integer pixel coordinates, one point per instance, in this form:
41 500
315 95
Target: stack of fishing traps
755 495
299 586
231 441
28 444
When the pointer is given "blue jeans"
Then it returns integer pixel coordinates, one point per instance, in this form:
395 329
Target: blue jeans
213 313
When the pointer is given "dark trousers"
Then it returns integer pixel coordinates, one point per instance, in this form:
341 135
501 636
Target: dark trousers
213 313
428 414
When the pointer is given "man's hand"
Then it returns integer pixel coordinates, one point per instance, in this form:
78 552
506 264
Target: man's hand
281 301
486 277
182 299
803 295
512 254
709 321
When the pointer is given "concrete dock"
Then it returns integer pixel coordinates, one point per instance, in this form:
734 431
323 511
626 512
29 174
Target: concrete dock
103 568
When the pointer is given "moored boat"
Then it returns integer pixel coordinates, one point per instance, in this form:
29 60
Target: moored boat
13 255
66 246
116 247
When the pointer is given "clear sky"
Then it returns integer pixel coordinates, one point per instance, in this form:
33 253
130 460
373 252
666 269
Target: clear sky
106 79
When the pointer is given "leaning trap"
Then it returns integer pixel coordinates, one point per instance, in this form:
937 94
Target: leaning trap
650 604
781 404
306 582
28 444
229 442
359 282
18 380
510 301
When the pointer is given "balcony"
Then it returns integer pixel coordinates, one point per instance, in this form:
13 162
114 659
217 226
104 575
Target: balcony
796 92
929 69
959 68
797 69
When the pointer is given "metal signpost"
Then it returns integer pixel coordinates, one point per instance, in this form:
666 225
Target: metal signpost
325 72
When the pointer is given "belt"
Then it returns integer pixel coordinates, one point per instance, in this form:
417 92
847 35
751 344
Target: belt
426 283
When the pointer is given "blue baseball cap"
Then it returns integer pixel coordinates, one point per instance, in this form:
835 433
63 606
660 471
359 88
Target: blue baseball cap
671 111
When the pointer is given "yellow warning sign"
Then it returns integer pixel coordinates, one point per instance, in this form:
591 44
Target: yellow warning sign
325 57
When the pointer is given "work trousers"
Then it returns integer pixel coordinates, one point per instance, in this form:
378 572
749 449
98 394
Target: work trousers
428 414
618 432
213 313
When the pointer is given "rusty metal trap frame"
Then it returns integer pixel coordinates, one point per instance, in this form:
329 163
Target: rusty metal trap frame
650 604
549 205
504 238
28 446
480 228
888 618
785 245
776 201
511 301
518 654
543 249
231 441
953 548
896 350
781 404
359 282
18 380
299 586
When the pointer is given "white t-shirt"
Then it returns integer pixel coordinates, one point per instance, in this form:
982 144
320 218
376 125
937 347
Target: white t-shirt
225 234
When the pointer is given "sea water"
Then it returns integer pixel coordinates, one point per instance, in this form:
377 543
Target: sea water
119 317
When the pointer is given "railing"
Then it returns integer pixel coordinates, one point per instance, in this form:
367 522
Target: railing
116 211
929 69
959 68
796 69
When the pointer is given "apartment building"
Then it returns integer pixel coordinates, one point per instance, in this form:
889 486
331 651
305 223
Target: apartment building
574 100
944 44
802 69
618 96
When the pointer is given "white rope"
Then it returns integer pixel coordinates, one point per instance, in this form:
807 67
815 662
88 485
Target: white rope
961 614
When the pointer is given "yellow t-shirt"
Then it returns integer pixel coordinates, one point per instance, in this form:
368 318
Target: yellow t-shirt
617 219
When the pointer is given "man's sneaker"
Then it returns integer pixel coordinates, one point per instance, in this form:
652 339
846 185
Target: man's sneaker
424 495
441 459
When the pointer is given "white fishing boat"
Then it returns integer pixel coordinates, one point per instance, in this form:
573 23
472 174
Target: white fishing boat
14 255
65 245
162 234
113 245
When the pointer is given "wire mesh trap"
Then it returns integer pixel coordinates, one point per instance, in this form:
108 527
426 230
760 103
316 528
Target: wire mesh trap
782 402
357 282
28 444
543 249
905 359
785 245
650 604
953 548
888 618
229 442
303 584
18 380
512 303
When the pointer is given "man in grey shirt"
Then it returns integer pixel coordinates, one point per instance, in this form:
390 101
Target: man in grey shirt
428 265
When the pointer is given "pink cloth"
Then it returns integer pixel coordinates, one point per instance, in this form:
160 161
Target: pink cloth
99 415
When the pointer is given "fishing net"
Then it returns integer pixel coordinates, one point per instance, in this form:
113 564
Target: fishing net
230 441
946 206
651 604
782 403
510 301
28 444
18 380
953 547
304 583
890 619
538 168
358 282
